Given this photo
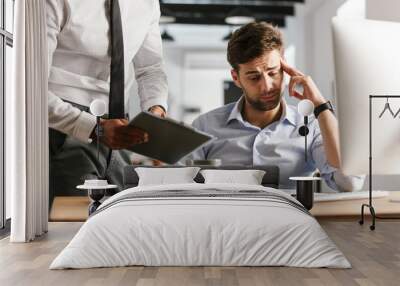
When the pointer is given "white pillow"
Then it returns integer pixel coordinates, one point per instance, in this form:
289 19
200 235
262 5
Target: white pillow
162 176
248 177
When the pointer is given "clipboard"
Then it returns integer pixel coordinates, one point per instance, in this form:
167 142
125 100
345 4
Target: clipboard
169 140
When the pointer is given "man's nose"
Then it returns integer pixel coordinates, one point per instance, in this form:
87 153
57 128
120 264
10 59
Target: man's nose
267 83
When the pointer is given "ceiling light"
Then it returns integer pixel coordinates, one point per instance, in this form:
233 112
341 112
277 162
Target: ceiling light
167 19
239 16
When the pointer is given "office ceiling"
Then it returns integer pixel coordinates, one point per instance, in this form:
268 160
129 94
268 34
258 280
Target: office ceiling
214 12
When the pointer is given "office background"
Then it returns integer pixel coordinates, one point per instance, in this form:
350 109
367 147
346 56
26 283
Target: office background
196 60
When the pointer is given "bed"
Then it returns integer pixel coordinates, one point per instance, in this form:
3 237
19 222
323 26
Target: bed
201 224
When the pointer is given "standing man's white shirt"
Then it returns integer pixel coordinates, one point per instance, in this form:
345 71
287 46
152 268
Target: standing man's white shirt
79 58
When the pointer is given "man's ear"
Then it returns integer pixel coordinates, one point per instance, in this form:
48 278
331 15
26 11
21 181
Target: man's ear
235 77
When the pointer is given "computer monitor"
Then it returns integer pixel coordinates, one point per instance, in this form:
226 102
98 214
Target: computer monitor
367 62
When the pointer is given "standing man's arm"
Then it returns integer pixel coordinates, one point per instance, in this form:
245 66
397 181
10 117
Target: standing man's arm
70 120
149 69
63 116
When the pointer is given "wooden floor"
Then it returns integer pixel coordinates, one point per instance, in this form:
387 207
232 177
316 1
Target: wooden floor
375 257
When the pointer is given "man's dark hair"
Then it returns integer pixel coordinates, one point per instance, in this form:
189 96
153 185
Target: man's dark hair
252 41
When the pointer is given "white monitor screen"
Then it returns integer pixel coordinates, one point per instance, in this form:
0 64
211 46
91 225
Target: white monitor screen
367 62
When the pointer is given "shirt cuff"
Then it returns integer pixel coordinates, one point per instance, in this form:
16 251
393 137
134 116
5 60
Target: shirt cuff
348 183
85 125
146 105
337 180
162 107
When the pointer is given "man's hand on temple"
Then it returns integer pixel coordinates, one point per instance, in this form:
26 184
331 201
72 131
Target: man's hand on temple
310 90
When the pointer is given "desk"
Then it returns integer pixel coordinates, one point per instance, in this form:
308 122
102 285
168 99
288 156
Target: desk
352 208
70 209
75 208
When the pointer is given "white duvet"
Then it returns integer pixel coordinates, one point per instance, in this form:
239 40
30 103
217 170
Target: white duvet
185 230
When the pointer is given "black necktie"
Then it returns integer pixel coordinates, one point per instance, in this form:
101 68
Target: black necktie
116 108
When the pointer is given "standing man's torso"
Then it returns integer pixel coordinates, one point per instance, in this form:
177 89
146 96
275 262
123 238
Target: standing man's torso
80 68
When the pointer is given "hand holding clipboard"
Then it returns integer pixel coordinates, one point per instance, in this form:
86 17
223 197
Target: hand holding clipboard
169 140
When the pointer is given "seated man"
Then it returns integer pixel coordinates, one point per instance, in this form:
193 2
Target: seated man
261 128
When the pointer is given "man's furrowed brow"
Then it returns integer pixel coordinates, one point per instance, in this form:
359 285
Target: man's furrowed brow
266 68
273 68
252 72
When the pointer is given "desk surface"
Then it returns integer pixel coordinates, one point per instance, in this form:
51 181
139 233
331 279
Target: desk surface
76 208
352 208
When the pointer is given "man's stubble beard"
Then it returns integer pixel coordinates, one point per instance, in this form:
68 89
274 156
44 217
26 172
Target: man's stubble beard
261 105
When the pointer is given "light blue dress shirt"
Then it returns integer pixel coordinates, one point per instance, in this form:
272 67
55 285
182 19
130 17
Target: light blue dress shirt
237 142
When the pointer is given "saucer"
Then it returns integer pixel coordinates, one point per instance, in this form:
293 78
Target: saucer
96 185
305 178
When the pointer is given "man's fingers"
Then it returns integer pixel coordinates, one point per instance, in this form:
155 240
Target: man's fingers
134 130
125 141
293 82
124 137
134 136
135 139
298 95
116 122
290 70
119 135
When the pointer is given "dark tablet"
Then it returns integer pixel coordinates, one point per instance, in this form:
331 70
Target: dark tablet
169 140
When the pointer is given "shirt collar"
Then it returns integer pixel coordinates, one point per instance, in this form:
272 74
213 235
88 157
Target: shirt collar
236 112
287 113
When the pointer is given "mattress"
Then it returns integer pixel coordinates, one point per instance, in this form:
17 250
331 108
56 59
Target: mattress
201 225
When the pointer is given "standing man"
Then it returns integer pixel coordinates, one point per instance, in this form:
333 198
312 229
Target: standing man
96 49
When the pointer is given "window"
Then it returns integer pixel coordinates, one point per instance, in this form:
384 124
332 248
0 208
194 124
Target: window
6 44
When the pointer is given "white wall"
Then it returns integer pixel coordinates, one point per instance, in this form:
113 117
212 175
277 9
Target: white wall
203 77
196 67
173 58
385 10
319 53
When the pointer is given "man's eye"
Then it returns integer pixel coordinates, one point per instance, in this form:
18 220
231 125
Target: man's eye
274 73
255 78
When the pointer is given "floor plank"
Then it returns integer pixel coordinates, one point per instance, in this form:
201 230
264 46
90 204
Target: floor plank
375 257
